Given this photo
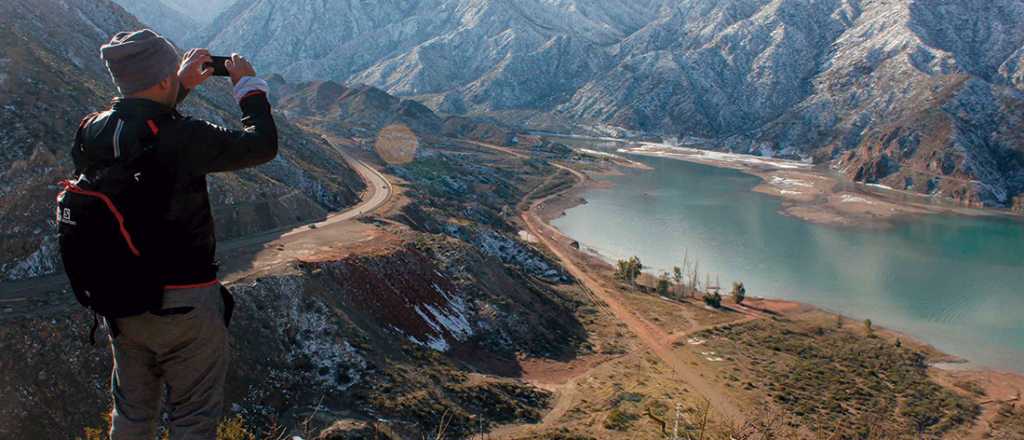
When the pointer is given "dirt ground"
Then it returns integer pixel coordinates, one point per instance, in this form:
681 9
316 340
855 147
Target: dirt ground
652 362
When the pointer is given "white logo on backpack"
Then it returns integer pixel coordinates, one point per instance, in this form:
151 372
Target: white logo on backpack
65 217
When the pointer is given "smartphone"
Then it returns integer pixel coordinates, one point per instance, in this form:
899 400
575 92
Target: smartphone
218 66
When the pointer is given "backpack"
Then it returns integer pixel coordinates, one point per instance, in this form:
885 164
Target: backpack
107 219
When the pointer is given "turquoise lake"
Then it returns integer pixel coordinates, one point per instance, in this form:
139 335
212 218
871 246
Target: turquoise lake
955 282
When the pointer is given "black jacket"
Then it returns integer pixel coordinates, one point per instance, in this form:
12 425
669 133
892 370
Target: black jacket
184 150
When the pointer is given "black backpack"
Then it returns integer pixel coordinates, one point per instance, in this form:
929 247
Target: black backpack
108 217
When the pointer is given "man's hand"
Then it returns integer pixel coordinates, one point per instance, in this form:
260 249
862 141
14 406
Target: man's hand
239 68
192 73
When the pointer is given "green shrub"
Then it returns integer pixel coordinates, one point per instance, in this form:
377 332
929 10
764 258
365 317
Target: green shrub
619 420
739 292
713 299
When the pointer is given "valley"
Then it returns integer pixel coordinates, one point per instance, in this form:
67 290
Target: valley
917 95
428 257
689 325
336 323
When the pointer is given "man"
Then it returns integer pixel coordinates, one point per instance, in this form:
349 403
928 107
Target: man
178 351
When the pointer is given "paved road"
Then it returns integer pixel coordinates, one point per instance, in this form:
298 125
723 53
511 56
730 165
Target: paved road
378 191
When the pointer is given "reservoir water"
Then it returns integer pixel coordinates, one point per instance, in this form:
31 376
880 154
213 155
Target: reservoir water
956 282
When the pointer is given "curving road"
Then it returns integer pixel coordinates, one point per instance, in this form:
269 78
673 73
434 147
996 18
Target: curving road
378 192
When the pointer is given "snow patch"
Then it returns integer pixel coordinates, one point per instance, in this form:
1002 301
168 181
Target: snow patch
41 262
309 326
513 252
598 153
782 181
684 153
847 198
449 319
527 237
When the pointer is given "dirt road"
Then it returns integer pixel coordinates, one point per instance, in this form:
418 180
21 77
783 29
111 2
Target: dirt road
656 339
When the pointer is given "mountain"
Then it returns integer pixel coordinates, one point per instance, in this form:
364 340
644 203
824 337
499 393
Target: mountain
175 18
162 18
203 11
411 47
51 76
922 95
361 108
906 94
360 111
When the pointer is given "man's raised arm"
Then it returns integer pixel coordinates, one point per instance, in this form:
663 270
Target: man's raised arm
210 148
192 71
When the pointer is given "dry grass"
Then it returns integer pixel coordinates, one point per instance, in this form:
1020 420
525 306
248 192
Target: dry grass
838 381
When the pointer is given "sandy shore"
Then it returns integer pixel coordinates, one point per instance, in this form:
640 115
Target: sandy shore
815 194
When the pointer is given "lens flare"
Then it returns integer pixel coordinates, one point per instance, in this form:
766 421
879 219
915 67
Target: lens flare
396 144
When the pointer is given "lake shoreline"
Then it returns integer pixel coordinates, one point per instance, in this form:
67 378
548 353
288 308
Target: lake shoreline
947 366
817 195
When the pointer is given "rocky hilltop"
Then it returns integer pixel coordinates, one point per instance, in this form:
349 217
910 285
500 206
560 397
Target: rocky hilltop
358 108
360 111
51 76
920 95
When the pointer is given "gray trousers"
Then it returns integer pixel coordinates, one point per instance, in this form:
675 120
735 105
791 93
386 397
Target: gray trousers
180 357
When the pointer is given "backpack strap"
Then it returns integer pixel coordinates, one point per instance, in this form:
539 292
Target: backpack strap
129 138
77 148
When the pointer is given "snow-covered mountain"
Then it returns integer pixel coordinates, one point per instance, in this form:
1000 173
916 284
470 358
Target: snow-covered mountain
922 95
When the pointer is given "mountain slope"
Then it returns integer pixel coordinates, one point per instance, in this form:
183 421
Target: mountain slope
361 107
836 80
51 76
163 19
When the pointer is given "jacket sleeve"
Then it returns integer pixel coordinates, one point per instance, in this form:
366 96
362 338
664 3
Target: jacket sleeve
209 148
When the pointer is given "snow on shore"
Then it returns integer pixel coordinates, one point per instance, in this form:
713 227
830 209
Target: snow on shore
685 153
599 153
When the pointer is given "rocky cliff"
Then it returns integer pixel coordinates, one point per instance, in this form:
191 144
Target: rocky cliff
51 76
836 80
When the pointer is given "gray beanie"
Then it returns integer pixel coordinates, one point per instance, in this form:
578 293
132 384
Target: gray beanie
139 60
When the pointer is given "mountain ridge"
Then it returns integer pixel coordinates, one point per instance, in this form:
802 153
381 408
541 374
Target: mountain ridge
810 79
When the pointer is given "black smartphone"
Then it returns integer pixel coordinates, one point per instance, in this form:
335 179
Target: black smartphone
218 66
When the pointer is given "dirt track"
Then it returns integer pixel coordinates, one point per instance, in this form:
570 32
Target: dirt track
656 339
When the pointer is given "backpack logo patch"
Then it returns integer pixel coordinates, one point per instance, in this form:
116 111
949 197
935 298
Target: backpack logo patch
65 216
